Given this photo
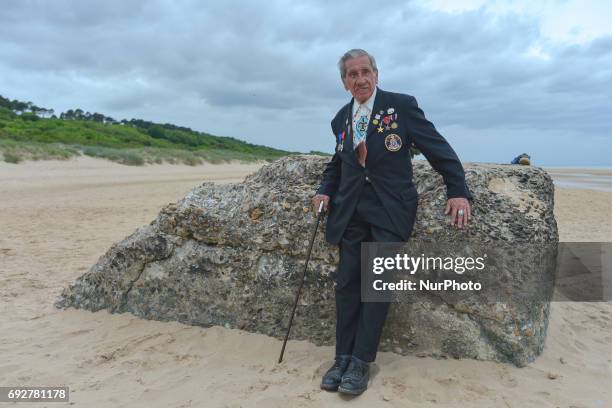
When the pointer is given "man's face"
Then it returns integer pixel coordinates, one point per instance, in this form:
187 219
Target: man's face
360 79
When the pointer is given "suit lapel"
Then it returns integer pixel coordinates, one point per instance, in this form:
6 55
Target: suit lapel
348 128
374 152
378 105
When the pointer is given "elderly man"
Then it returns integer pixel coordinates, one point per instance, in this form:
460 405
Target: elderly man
368 192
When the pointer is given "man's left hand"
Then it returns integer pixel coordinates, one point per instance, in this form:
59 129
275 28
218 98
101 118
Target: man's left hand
459 210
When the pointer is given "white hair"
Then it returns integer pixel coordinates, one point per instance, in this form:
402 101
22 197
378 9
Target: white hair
354 53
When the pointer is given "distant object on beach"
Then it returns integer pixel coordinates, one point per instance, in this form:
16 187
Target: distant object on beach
523 159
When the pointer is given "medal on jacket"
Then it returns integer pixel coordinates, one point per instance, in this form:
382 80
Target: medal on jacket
393 142
385 122
341 137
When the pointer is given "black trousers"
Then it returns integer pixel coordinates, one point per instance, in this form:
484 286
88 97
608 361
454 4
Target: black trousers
359 324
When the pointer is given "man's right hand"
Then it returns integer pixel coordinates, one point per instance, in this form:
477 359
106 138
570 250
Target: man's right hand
316 201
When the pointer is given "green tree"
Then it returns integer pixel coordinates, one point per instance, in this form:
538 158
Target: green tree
157 132
29 116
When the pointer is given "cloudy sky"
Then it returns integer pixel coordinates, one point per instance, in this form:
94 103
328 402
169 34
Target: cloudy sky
497 78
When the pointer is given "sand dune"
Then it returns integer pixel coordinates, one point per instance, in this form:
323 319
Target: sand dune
57 218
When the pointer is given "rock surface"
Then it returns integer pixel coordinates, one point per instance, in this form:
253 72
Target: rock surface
232 255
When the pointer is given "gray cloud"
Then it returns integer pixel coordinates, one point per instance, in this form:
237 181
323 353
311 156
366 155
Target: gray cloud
266 72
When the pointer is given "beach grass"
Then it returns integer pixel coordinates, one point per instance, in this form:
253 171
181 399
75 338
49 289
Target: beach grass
16 152
29 137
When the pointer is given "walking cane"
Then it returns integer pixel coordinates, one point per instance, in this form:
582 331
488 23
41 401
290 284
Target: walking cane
297 296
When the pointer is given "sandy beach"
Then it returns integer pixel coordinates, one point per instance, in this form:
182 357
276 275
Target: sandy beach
58 217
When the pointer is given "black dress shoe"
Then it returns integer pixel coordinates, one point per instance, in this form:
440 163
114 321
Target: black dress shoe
355 378
333 376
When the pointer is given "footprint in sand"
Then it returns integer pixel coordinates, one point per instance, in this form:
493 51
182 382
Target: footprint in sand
508 380
397 385
581 346
83 331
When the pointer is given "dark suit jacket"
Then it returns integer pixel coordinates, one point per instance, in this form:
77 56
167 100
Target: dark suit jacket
390 172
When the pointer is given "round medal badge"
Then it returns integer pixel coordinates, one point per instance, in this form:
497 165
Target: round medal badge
393 142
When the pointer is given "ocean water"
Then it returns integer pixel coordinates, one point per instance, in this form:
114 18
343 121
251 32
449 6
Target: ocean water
583 179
